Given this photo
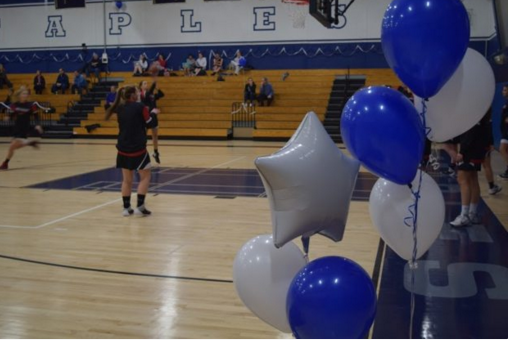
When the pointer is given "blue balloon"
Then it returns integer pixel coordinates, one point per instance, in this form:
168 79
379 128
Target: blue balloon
382 129
119 4
331 298
424 42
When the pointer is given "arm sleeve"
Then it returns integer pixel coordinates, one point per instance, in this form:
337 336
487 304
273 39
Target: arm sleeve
159 95
35 112
151 90
13 109
150 119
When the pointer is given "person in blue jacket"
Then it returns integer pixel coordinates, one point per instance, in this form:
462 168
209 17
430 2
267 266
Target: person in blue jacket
62 82
266 93
79 83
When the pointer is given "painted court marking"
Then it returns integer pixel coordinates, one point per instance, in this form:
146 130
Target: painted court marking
116 200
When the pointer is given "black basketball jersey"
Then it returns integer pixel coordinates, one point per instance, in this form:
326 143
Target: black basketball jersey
21 114
133 120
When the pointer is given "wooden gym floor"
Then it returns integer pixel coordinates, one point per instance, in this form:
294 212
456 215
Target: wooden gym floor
72 267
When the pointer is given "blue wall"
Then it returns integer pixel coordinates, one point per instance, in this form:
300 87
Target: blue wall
298 56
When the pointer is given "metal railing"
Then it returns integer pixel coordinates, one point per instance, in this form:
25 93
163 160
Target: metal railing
46 115
243 115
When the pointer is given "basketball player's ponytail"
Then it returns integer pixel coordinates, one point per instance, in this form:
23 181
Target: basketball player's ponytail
113 108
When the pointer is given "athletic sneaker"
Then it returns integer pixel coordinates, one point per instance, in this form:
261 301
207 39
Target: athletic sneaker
495 189
142 211
4 166
474 219
461 221
34 144
127 212
504 175
157 158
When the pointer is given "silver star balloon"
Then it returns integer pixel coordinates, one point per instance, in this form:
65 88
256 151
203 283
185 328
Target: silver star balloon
309 183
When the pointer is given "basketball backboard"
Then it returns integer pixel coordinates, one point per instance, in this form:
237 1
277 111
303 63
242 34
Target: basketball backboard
329 12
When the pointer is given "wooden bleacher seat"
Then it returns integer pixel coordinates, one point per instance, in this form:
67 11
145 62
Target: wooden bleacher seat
200 107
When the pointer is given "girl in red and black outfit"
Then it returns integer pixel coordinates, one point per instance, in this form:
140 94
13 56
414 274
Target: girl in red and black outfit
149 97
21 112
134 119
473 148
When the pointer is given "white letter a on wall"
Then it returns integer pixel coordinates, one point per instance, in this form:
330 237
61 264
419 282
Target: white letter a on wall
55 27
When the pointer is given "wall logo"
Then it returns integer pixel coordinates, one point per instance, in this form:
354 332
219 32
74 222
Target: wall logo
262 18
118 21
55 27
188 24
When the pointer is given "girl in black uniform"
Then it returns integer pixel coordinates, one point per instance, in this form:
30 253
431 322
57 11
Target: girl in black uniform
21 112
149 97
134 119
487 162
469 160
503 148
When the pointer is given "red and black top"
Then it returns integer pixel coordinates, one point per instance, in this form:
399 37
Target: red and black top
133 120
473 144
21 114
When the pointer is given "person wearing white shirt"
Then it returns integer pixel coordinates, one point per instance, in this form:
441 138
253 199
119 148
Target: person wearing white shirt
201 65
237 63
140 66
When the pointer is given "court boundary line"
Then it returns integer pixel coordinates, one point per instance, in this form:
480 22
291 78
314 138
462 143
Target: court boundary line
118 272
62 218
340 145
115 200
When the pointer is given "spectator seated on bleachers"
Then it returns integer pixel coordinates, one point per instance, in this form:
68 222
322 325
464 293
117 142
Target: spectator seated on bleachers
3 78
201 65
249 93
158 67
189 65
266 93
140 66
79 84
238 63
217 64
62 82
95 66
39 83
110 98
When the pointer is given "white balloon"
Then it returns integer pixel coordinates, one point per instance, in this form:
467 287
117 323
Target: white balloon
389 203
309 184
463 101
262 275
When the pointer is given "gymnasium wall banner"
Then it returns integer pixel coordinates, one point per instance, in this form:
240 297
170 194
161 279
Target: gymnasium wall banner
37 25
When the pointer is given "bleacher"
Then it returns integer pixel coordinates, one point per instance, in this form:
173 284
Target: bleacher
59 102
200 107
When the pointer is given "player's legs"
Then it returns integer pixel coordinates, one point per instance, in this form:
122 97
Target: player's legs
128 178
144 183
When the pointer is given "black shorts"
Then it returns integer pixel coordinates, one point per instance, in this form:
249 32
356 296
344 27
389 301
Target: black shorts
141 162
469 166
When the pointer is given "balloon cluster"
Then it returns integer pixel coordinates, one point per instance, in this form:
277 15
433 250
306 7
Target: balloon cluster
426 44
309 184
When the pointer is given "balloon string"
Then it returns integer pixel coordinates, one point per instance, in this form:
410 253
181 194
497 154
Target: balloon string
413 210
423 116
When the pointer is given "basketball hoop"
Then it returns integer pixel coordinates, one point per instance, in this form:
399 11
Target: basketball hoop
298 10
